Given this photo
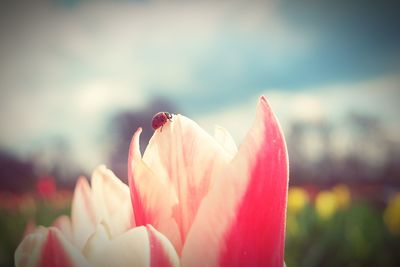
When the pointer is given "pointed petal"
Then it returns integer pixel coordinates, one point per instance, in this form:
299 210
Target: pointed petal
225 139
187 158
153 200
63 223
58 252
28 251
140 246
83 213
112 200
242 220
48 247
162 253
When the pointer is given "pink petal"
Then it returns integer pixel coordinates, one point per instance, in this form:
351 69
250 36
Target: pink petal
48 247
83 213
63 223
112 200
184 161
152 199
242 220
162 253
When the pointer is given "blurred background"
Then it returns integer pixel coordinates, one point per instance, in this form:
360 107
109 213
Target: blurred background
77 78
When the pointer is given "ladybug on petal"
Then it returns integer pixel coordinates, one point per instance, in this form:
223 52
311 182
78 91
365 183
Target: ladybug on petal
160 119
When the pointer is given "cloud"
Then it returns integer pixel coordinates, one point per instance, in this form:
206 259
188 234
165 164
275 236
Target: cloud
65 70
376 98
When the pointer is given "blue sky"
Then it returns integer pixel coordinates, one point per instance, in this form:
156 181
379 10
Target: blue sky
67 67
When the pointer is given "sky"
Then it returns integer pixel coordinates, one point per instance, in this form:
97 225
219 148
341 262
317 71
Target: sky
67 67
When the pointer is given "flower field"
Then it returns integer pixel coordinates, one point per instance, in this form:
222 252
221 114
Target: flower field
330 228
323 228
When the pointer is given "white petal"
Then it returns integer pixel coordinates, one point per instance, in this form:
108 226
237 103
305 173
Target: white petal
129 249
96 243
225 139
111 200
83 213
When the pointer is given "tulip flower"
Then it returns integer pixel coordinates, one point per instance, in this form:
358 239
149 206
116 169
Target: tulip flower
218 205
100 232
193 200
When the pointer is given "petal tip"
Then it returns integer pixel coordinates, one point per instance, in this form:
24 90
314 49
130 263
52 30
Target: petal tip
263 98
263 102
134 146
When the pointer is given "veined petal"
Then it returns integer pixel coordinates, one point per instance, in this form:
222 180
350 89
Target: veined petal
183 156
83 213
242 220
48 247
112 200
139 246
153 200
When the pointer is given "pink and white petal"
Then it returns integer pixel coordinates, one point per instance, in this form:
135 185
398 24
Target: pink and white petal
153 199
48 247
162 252
112 200
225 139
83 213
242 220
138 246
63 223
29 250
185 156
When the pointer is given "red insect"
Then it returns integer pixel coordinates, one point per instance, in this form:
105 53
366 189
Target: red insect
160 119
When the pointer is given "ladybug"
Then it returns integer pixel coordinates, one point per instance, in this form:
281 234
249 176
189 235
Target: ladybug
160 119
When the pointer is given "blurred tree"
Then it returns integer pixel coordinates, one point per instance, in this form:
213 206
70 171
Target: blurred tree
355 148
15 174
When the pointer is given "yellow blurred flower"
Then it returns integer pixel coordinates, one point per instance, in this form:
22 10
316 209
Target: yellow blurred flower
391 215
297 199
326 204
342 194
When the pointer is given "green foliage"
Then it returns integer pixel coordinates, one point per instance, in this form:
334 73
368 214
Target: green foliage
355 236
13 223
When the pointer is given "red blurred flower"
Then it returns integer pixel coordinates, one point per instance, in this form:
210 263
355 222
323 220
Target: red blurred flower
46 186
